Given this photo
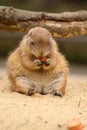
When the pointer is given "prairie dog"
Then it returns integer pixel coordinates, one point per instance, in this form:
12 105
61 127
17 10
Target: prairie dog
37 66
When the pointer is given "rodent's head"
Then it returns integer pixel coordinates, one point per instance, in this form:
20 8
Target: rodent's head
39 42
39 46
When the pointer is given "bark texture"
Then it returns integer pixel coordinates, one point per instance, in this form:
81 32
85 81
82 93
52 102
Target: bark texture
67 24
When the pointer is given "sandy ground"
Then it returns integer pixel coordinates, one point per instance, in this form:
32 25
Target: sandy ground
21 112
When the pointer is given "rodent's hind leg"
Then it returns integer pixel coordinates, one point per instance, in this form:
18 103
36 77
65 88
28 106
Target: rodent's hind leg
57 86
25 86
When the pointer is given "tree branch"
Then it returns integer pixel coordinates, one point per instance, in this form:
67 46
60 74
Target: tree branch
67 24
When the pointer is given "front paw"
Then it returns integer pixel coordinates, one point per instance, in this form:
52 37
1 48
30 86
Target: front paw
38 62
57 93
47 62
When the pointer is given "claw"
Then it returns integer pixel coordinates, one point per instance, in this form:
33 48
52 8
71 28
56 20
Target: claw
30 92
58 93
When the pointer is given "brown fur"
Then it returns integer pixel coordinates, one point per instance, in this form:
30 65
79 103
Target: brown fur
28 74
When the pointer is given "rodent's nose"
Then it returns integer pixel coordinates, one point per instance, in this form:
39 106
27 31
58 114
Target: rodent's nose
43 59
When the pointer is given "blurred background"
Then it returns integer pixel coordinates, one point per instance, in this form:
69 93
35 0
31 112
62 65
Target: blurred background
75 49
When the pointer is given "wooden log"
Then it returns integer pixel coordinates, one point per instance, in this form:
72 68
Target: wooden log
67 24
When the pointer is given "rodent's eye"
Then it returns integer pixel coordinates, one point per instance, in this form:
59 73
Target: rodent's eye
48 56
32 43
33 56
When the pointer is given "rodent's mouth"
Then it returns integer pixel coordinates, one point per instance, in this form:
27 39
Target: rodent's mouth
43 63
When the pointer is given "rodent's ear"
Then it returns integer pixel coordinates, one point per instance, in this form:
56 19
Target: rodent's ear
51 40
30 33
